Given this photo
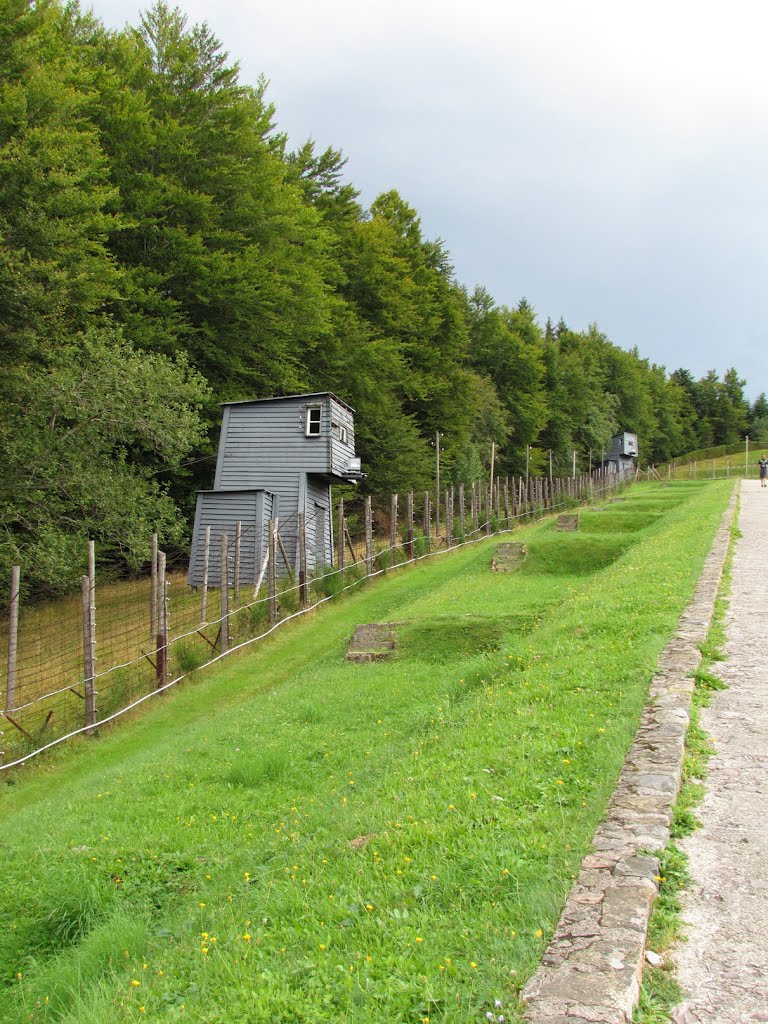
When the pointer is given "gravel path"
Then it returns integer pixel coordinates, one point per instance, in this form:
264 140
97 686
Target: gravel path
723 967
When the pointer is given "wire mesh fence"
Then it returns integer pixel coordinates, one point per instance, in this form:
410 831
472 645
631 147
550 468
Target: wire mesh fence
733 461
73 664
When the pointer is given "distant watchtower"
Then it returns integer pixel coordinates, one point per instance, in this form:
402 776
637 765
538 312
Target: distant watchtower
623 453
277 457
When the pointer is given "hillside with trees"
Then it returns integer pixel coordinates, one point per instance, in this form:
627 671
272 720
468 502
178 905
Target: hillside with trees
162 249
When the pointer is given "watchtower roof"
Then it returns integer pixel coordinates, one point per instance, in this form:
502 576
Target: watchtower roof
283 398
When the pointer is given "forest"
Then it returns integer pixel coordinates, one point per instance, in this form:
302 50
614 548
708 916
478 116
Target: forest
164 249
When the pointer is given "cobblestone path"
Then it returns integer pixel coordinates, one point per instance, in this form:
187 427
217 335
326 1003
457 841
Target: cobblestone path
723 967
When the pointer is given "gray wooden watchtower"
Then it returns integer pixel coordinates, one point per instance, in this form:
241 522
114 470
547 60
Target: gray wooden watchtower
623 453
277 457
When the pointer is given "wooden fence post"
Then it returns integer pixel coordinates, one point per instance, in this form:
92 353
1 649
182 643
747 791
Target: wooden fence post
393 527
302 542
90 692
92 596
236 568
427 521
488 508
153 589
462 513
341 541
368 536
89 667
350 543
224 594
409 527
272 570
474 507
206 565
13 639
161 654
448 518
437 514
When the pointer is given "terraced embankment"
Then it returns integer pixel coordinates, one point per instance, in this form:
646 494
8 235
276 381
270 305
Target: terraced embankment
296 837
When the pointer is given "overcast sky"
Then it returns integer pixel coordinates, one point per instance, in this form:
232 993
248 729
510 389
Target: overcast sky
606 160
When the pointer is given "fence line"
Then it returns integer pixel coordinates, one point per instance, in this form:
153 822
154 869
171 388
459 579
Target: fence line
175 651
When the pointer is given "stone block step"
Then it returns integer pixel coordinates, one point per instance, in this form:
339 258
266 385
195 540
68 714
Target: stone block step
509 557
372 641
567 522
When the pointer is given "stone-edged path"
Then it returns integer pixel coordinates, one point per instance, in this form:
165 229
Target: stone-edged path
591 970
723 967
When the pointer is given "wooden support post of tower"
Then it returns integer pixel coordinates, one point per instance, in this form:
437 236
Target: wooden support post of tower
302 540
272 571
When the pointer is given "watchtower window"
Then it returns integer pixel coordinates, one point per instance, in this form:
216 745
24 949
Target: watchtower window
314 414
339 431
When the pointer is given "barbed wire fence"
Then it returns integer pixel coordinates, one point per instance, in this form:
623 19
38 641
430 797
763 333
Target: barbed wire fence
77 663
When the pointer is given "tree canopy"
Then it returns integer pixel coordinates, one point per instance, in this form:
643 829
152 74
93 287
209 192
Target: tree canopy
162 249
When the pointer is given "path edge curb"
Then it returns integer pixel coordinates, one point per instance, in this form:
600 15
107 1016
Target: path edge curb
591 970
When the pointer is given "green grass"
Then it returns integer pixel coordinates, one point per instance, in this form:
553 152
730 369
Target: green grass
296 838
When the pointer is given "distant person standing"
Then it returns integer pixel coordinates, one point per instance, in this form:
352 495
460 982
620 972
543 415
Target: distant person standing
763 464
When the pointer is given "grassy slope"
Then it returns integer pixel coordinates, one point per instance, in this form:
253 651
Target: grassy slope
296 838
704 465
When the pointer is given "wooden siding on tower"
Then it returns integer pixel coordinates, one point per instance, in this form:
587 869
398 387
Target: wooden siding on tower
319 497
341 452
263 445
222 510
